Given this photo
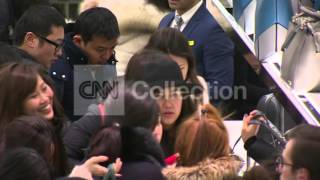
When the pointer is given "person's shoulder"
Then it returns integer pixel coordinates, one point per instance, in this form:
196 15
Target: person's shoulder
208 25
206 17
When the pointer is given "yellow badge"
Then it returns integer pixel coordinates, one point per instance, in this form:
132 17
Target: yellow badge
191 42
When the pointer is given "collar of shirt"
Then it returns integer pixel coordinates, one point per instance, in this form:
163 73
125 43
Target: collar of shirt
187 15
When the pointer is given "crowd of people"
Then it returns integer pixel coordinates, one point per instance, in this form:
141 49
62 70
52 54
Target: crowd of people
161 119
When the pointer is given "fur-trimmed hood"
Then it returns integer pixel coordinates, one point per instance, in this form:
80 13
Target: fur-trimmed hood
209 169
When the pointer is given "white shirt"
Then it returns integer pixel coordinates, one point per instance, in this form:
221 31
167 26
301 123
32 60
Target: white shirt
186 16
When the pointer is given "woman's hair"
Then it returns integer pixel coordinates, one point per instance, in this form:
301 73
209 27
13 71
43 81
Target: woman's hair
257 173
139 112
172 41
17 82
37 133
23 163
202 137
106 142
138 65
133 107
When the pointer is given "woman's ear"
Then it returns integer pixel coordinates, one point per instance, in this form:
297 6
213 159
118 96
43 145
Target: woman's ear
302 174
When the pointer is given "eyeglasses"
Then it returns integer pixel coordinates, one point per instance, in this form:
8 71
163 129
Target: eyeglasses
280 163
57 46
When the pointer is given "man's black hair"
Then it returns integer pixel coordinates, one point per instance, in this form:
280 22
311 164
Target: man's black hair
39 20
98 22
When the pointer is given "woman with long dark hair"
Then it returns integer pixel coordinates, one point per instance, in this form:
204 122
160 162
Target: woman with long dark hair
25 89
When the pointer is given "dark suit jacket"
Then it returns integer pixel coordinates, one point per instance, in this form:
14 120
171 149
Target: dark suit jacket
212 48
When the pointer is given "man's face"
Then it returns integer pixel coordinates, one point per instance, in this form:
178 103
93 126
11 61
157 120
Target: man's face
182 5
98 49
286 168
50 47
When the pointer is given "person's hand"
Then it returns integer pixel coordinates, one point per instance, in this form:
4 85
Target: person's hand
82 172
251 130
93 166
117 166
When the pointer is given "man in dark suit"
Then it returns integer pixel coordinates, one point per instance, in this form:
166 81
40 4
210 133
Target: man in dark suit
212 48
